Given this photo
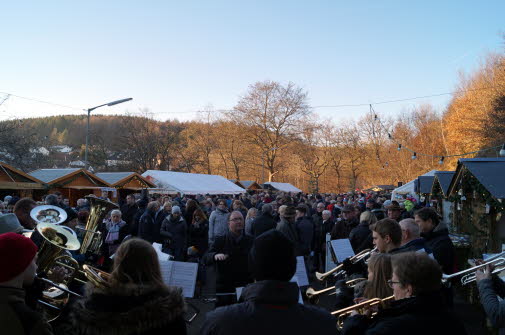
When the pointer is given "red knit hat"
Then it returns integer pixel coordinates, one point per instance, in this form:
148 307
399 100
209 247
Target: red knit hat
16 253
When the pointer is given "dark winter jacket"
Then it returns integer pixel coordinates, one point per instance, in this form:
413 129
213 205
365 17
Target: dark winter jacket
262 223
128 213
269 308
343 228
234 271
16 317
289 230
443 250
129 309
174 232
198 236
489 291
421 315
305 228
361 237
418 244
147 227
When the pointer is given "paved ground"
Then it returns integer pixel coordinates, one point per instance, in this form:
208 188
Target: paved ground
471 315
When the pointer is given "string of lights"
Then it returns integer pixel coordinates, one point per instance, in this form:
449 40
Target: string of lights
416 153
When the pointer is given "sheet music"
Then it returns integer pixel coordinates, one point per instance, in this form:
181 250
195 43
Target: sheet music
342 249
161 255
301 272
180 274
329 259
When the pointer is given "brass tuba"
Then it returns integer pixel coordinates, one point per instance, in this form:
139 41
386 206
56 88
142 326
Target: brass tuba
99 208
56 240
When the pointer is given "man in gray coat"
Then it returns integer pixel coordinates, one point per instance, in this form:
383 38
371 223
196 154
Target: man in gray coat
270 305
218 221
287 226
490 288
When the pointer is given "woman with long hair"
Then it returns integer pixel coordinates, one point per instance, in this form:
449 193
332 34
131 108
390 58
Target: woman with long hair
135 299
379 272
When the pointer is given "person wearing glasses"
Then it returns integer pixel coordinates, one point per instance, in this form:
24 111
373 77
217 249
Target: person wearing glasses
418 307
230 255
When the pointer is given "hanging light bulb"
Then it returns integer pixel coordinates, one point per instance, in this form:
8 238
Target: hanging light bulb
399 147
441 161
502 151
389 135
376 117
414 156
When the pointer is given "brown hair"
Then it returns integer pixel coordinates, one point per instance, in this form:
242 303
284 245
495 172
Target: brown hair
418 270
200 213
427 213
136 262
24 204
389 227
380 265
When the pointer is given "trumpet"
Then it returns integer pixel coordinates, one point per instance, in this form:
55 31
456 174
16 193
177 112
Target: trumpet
354 259
311 293
343 313
97 277
469 275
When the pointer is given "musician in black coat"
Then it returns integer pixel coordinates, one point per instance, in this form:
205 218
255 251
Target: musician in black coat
418 307
230 254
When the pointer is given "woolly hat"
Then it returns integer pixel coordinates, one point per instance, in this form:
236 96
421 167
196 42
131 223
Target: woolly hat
176 209
9 223
16 253
272 257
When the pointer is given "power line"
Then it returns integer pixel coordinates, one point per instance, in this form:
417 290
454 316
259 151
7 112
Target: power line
42 101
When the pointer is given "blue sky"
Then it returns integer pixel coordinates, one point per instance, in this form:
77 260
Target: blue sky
178 57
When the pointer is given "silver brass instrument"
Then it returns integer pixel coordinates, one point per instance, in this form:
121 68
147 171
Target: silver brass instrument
99 209
469 275
54 298
97 277
354 259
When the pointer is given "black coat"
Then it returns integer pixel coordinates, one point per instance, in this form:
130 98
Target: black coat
439 242
199 237
361 237
305 228
128 213
147 227
421 315
129 310
234 271
343 228
262 223
175 234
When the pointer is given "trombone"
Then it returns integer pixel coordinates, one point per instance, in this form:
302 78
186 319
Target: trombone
354 259
343 313
469 275
54 298
311 293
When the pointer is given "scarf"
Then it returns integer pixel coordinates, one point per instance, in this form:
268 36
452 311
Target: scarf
113 231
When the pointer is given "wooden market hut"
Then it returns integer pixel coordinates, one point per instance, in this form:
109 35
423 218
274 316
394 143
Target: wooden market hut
478 192
236 182
72 183
440 193
16 182
125 183
251 185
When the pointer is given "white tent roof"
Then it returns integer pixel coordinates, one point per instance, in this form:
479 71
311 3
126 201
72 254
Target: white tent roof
284 187
192 183
409 188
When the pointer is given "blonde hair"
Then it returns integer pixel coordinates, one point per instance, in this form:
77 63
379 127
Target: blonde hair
368 217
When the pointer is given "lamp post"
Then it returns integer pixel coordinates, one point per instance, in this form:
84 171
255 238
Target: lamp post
87 128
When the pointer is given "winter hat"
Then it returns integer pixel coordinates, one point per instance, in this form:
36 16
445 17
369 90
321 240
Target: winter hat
9 223
387 203
16 253
272 257
176 209
7 198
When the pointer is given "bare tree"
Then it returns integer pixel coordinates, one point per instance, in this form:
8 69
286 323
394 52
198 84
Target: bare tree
271 112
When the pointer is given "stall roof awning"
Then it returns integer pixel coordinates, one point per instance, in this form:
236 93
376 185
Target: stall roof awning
12 178
120 178
490 172
444 178
284 187
250 183
424 184
192 183
67 177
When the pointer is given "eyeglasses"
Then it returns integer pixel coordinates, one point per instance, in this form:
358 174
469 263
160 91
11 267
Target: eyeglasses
391 283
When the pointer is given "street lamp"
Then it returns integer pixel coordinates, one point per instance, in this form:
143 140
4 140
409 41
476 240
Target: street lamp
87 128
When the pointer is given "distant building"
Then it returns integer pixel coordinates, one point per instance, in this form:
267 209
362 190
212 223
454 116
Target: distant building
62 148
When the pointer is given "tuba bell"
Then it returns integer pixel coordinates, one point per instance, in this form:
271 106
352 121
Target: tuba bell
99 208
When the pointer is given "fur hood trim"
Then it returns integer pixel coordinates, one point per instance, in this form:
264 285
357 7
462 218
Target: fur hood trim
129 309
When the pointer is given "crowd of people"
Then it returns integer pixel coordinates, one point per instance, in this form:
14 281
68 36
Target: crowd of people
252 241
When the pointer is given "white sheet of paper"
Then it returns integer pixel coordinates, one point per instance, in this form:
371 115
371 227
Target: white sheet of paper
342 249
301 272
180 274
161 255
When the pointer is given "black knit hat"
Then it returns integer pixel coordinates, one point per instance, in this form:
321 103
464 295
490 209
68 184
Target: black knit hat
272 257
